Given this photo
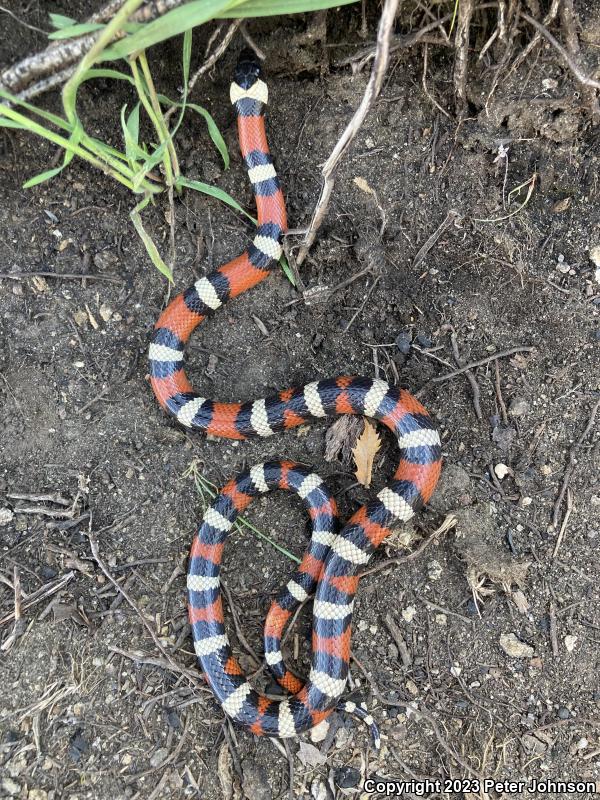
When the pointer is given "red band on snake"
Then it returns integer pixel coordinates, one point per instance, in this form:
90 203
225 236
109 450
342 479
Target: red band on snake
333 567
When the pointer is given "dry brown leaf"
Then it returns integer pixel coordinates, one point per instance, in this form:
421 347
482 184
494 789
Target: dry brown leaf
364 186
367 445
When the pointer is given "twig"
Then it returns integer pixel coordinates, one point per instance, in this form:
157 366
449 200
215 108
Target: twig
482 361
450 218
67 276
386 24
469 375
362 305
18 628
396 634
565 521
572 463
537 38
22 22
424 83
448 523
461 61
238 628
44 591
568 20
499 394
570 62
553 630
447 611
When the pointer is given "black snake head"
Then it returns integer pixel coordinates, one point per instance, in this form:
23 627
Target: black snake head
248 69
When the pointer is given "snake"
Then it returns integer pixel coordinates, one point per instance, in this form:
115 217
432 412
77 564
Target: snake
332 562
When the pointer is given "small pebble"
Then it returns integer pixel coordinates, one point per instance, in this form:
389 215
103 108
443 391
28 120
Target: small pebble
563 713
423 340
514 647
518 407
346 777
403 342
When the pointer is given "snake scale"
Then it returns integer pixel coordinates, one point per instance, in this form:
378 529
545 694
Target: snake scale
331 563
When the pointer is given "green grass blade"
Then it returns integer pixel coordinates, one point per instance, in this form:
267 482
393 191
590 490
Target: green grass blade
90 74
72 31
287 270
170 24
43 176
10 123
272 8
59 21
151 248
213 191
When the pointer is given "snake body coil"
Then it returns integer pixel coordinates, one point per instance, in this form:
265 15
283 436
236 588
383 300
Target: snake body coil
332 560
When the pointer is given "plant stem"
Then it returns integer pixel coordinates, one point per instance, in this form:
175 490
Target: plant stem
166 136
143 95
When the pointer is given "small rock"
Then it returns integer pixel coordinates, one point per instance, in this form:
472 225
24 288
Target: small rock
37 794
423 340
408 613
518 406
159 756
563 713
11 787
514 647
6 516
595 256
403 342
570 642
346 777
501 471
434 570
534 745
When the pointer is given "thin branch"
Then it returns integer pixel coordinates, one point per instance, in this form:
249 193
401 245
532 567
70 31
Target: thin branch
570 62
386 24
481 362
572 464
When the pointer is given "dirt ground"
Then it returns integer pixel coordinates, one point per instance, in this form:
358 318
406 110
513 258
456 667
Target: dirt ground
491 670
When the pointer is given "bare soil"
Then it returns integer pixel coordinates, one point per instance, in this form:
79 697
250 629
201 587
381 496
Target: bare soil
89 707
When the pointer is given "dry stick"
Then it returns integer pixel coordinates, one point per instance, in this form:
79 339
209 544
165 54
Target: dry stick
426 88
132 603
403 42
58 56
482 361
44 591
67 276
499 394
469 375
18 627
363 304
572 463
461 62
553 629
386 24
537 38
568 20
450 218
565 522
570 62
